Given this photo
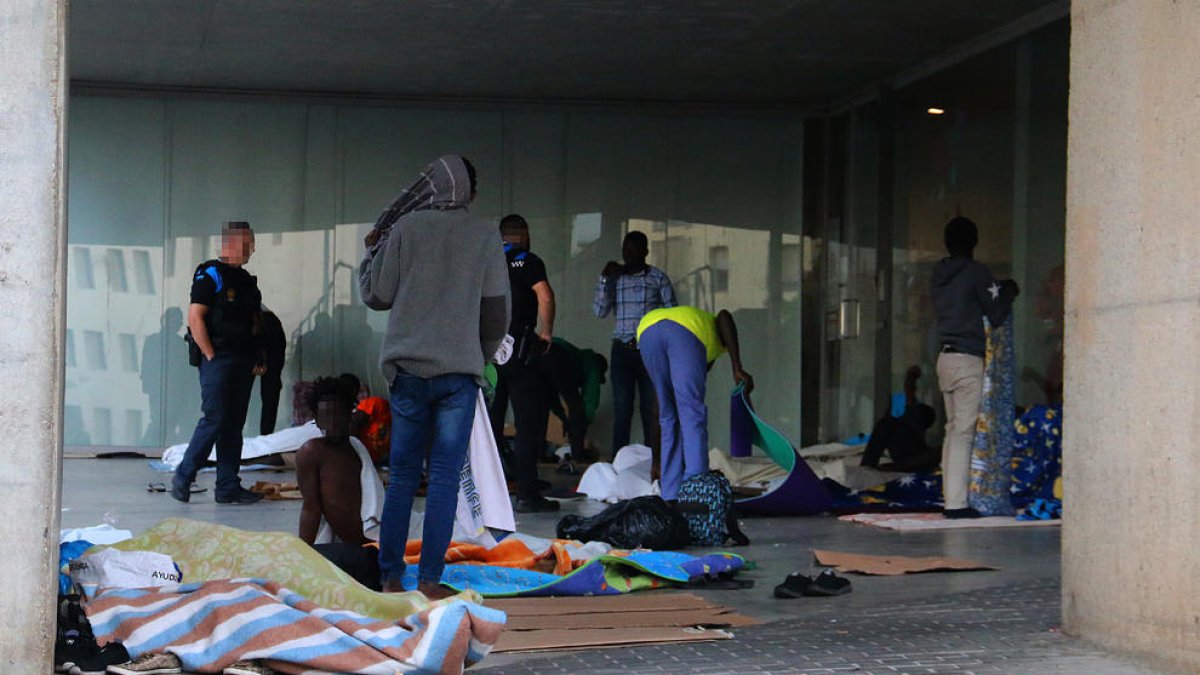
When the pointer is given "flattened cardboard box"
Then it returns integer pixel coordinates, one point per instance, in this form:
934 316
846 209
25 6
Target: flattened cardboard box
893 565
637 602
539 640
718 617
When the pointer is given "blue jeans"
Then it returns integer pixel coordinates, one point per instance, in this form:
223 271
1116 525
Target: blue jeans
677 363
628 374
225 385
432 414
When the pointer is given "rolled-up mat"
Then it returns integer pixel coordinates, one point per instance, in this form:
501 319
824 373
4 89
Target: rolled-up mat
990 487
801 492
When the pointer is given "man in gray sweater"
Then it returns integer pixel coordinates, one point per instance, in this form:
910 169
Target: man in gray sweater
443 278
963 293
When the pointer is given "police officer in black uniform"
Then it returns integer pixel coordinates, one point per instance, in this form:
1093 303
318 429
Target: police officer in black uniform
224 327
521 379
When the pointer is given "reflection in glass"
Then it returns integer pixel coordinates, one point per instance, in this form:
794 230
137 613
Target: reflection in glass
102 426
128 347
84 277
144 272
712 193
93 342
115 267
585 229
133 427
70 348
157 348
718 259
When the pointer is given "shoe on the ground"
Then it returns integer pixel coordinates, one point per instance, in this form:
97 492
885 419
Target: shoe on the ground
827 584
960 514
150 663
538 504
72 646
73 641
248 668
242 496
793 586
181 492
111 653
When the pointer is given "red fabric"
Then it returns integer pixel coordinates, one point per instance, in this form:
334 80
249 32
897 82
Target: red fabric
376 434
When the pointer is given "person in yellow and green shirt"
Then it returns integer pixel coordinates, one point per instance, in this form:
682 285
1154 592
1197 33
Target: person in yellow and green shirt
679 346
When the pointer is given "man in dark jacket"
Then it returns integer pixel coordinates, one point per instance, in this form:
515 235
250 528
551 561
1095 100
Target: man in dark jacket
440 273
963 293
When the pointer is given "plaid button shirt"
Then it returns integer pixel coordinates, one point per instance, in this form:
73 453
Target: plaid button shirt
630 296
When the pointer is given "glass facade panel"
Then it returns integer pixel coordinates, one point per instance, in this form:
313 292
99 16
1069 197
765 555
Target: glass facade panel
891 175
153 178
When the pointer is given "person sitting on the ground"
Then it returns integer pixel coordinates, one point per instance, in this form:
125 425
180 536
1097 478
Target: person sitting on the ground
333 473
904 437
371 421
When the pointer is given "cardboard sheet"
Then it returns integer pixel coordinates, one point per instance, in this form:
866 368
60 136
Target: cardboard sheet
543 624
558 639
893 565
718 617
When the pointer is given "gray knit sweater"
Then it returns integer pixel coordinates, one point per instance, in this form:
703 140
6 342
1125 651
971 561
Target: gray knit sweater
444 279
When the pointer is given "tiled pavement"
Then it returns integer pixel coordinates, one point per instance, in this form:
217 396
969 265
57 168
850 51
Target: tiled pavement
1000 630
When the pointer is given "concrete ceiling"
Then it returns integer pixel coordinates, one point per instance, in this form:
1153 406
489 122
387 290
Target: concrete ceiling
727 52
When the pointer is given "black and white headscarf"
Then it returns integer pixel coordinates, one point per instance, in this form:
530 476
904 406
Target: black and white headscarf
444 185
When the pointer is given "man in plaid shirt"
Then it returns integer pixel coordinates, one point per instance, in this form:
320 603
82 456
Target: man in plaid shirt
629 291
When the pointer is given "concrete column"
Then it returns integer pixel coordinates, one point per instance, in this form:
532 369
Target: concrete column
1131 544
32 256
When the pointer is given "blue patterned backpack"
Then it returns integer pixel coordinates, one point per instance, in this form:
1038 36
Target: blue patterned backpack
712 489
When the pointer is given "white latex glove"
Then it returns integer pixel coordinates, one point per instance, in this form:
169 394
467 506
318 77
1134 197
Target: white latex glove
504 351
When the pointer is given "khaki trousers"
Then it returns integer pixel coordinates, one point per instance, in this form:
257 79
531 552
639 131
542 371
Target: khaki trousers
960 377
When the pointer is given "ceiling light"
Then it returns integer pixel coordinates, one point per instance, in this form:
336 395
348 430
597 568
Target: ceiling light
936 111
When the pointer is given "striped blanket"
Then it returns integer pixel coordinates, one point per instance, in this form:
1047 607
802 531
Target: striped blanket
211 625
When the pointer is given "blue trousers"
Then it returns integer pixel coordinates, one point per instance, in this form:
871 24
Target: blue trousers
628 375
428 415
677 364
225 385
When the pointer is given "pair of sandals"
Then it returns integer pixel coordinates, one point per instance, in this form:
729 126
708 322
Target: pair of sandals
826 584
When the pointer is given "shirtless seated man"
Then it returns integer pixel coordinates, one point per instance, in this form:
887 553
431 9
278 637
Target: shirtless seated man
330 469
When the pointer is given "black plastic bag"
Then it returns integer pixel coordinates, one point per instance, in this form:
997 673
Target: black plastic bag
644 522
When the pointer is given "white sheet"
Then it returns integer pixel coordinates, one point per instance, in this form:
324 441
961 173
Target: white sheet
287 440
626 478
483 492
105 535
